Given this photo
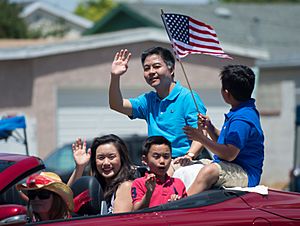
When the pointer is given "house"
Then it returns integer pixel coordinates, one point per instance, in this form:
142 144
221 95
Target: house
54 21
62 88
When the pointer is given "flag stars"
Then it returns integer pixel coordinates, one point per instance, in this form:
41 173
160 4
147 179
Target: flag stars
178 27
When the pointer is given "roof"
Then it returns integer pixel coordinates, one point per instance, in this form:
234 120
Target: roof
105 40
58 12
272 27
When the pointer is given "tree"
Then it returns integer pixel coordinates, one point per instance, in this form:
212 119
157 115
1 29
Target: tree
11 26
94 9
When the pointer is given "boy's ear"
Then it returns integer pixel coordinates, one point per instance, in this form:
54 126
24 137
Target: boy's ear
144 160
227 93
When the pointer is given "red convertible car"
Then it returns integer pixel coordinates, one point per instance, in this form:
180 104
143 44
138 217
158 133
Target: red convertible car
213 207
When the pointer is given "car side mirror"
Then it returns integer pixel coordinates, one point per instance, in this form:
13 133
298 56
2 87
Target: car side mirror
12 214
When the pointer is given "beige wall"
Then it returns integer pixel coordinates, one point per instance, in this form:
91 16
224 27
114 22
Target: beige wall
279 131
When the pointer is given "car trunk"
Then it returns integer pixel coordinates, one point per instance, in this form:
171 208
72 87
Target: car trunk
284 204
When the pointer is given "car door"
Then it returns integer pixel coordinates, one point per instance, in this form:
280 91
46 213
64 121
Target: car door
231 212
123 219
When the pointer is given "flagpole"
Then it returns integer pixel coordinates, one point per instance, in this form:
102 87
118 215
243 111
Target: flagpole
188 83
180 62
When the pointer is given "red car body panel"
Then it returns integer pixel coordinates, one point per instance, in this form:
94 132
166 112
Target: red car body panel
281 203
10 210
130 219
231 212
15 168
21 164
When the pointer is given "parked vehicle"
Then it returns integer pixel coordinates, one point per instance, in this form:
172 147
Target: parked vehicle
213 207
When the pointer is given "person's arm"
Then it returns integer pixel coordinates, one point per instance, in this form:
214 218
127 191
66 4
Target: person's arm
227 152
187 159
22 195
81 158
195 149
150 184
118 68
144 203
123 200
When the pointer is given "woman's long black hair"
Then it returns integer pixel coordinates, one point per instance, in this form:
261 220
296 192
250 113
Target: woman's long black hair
126 171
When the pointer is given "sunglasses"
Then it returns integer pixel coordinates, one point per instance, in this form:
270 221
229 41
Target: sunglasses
42 194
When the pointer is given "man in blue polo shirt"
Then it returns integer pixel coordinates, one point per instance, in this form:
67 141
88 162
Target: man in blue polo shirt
239 146
168 109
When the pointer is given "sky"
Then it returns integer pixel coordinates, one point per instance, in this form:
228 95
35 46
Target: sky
70 5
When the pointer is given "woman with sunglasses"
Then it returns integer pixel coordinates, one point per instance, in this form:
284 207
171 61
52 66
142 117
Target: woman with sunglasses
48 197
110 164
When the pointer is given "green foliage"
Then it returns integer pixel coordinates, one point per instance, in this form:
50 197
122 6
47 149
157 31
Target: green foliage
94 9
260 1
11 26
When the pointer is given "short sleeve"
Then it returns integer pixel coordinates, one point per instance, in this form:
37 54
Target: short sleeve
139 106
137 190
238 133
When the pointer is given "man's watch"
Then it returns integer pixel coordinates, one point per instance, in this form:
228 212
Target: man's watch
190 154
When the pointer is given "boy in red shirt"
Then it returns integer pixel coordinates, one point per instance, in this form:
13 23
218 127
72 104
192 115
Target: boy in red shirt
156 187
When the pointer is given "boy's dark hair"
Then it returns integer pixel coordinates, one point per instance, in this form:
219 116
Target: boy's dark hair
164 53
238 80
155 140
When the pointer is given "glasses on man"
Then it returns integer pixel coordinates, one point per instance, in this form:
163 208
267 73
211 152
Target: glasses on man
42 194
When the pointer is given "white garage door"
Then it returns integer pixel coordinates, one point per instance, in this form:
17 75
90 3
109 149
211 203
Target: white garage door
85 113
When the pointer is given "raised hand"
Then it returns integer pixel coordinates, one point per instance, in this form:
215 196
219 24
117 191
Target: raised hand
174 197
204 122
81 156
150 182
120 64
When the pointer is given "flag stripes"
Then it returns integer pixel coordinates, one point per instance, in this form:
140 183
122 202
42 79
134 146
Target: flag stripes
190 36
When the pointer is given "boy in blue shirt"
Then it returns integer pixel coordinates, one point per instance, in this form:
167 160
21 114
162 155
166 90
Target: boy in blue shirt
239 147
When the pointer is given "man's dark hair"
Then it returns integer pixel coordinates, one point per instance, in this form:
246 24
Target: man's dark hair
155 140
239 80
164 53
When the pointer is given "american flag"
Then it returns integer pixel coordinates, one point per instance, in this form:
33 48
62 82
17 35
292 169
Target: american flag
192 36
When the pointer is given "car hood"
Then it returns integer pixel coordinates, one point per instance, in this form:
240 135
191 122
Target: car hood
14 167
281 203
